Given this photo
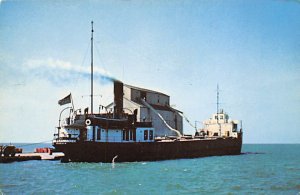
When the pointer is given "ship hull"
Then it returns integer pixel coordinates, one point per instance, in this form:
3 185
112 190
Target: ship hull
148 151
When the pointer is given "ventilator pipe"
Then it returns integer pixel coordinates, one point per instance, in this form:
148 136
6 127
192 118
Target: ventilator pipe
60 115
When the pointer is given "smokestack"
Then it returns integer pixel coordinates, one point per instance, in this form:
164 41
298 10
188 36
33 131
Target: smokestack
118 98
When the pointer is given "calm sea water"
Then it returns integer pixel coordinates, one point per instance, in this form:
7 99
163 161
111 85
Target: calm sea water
263 169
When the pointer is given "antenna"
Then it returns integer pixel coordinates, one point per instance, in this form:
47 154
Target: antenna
218 109
218 99
92 39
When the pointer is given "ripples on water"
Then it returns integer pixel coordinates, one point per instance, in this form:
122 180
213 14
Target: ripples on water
263 169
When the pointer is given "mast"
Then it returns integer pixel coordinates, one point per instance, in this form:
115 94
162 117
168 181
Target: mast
218 99
218 110
92 68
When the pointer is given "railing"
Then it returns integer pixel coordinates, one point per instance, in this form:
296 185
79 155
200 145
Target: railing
58 139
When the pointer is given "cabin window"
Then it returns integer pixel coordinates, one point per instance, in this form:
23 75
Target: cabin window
124 135
98 134
216 117
234 127
130 135
134 135
221 117
127 135
145 134
150 134
143 95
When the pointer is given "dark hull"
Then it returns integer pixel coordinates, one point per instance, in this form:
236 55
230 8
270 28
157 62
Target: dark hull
139 151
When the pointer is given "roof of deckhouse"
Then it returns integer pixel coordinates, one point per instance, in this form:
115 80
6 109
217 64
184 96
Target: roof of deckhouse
155 106
146 90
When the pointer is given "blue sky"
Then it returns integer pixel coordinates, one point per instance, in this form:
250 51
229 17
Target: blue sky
181 48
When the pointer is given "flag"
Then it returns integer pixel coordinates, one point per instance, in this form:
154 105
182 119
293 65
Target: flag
65 100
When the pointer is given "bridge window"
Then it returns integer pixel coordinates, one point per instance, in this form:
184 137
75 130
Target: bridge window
150 134
221 117
145 134
234 127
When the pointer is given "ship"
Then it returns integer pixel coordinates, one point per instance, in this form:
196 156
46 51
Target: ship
140 125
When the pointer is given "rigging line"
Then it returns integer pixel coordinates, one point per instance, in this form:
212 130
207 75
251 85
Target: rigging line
138 54
132 51
86 52
82 63
100 57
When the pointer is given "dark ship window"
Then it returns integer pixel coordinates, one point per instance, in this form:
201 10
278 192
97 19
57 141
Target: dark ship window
134 135
143 95
234 127
221 117
130 135
216 117
127 135
145 134
124 135
98 134
150 134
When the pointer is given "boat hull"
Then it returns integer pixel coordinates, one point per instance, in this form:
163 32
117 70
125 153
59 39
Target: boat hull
148 151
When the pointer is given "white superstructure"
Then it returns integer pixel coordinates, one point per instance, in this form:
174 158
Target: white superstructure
219 125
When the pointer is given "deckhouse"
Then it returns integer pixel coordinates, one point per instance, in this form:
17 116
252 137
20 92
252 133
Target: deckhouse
220 125
149 105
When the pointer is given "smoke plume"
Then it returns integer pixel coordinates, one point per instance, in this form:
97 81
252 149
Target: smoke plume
58 71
